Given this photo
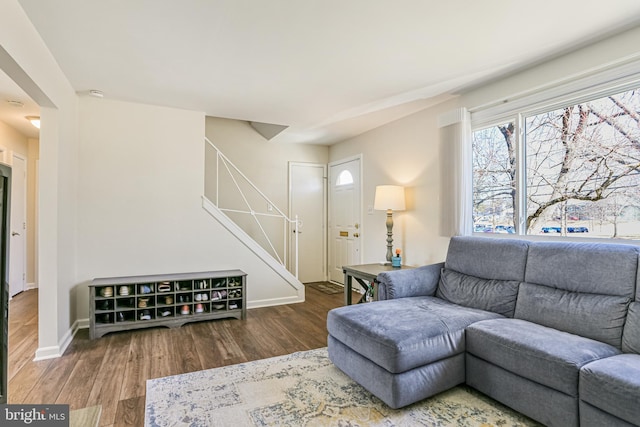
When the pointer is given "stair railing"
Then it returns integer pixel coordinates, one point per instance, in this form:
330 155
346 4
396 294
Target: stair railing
277 213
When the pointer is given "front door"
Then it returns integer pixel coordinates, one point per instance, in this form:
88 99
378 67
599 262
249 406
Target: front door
344 216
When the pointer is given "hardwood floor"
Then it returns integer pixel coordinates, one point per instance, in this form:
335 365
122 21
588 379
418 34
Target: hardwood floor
112 371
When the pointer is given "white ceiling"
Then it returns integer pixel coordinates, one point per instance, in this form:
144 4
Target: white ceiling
329 69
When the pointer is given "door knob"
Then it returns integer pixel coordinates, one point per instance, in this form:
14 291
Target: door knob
356 234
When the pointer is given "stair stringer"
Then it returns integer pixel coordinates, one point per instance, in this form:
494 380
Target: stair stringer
260 252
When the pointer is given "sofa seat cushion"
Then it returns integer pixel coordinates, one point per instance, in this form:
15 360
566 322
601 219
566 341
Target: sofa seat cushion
613 385
403 334
547 356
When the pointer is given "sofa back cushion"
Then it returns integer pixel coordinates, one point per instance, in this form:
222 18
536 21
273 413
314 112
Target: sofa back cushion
595 268
486 258
498 296
599 317
631 334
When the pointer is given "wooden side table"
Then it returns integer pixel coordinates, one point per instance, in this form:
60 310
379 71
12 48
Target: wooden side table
365 275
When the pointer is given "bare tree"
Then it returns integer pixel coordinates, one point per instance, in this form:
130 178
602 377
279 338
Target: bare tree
494 170
594 153
575 156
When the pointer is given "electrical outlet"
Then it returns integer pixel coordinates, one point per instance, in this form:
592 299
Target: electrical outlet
370 210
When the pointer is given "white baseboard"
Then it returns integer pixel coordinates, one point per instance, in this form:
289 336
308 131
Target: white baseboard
30 286
55 351
275 301
44 353
83 323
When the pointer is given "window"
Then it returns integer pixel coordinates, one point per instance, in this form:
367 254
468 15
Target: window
580 174
494 174
345 178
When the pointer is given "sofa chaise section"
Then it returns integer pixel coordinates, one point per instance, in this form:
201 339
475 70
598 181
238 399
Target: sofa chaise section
381 348
412 345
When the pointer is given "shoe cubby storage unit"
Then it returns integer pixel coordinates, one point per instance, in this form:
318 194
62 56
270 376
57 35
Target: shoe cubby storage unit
124 303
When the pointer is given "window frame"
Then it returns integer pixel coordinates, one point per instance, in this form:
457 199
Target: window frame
519 175
570 92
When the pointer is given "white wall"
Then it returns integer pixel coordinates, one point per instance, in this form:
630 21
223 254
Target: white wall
406 152
266 164
413 152
607 53
263 162
29 63
140 211
12 141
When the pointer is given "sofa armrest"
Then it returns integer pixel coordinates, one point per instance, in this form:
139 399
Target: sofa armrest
421 281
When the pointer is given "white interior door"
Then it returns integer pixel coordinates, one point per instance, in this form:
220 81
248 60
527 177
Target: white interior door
17 248
307 199
344 216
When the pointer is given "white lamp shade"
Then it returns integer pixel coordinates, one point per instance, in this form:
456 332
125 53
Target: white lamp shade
389 197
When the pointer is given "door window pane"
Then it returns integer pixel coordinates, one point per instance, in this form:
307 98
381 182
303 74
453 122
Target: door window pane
345 178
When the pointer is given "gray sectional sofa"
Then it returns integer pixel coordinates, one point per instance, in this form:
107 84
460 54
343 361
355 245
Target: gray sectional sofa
550 329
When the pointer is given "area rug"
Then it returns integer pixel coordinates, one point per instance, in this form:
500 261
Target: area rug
326 287
305 389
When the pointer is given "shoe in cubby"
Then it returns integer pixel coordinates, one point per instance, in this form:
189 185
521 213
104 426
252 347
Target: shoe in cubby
104 305
164 287
144 315
184 285
201 284
106 291
218 295
165 312
219 283
145 288
104 318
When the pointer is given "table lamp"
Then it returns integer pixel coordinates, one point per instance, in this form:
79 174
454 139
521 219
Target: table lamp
389 198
